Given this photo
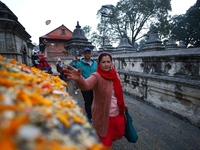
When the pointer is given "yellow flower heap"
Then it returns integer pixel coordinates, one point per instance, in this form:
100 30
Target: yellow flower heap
37 113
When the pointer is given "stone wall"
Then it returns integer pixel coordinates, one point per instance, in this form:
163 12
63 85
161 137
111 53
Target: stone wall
168 80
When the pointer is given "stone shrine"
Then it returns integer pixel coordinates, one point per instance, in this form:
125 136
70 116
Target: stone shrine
78 42
153 43
14 40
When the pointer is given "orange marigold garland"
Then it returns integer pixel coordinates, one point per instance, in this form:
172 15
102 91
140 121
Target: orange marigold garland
35 108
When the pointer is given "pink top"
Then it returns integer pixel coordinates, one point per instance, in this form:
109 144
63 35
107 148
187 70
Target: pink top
114 108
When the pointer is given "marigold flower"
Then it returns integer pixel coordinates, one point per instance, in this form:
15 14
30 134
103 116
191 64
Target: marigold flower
63 119
14 124
1 58
37 99
10 107
12 60
6 82
78 120
99 147
23 96
7 143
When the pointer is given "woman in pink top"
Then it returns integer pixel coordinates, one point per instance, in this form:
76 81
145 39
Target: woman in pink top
108 104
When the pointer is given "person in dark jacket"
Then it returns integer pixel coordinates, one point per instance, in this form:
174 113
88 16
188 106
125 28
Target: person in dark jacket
59 66
35 59
88 66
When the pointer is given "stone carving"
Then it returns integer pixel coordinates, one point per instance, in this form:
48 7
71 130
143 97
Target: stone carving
134 82
11 47
133 65
153 68
126 78
142 66
23 49
167 68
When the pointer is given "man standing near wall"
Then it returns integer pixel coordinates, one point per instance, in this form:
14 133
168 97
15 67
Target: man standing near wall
88 66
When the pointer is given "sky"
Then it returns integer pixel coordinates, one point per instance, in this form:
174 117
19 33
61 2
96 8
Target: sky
32 14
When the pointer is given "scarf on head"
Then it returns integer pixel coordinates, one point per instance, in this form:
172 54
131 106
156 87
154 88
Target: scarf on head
112 75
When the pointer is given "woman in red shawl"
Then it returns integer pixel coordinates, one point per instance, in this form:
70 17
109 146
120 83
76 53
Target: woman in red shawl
108 104
43 63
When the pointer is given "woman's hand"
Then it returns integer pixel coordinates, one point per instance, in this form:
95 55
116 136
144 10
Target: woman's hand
72 73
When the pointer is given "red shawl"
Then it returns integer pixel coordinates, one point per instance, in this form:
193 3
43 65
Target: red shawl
112 75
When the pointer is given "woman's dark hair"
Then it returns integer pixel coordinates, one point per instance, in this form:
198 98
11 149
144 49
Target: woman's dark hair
104 54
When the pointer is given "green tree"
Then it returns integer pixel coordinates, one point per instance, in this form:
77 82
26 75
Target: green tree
87 29
180 28
96 39
186 27
93 37
193 19
130 17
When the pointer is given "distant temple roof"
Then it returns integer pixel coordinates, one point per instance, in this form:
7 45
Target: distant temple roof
55 37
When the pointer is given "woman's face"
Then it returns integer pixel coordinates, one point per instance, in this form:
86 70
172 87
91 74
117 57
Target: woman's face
74 58
105 63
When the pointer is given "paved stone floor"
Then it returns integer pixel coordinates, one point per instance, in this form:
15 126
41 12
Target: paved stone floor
156 129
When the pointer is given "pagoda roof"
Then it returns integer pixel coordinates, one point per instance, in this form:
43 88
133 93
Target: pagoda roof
55 37
50 36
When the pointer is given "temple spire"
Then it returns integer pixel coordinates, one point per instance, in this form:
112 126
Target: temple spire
78 26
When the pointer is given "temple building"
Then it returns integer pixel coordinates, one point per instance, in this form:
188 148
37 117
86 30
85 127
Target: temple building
52 44
14 40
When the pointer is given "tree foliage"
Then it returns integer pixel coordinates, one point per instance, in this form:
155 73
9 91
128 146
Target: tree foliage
87 29
93 37
130 17
186 27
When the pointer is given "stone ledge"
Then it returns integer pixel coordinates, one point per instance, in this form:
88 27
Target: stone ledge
190 82
173 53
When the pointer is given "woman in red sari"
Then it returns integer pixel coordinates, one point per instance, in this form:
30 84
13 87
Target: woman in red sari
108 104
